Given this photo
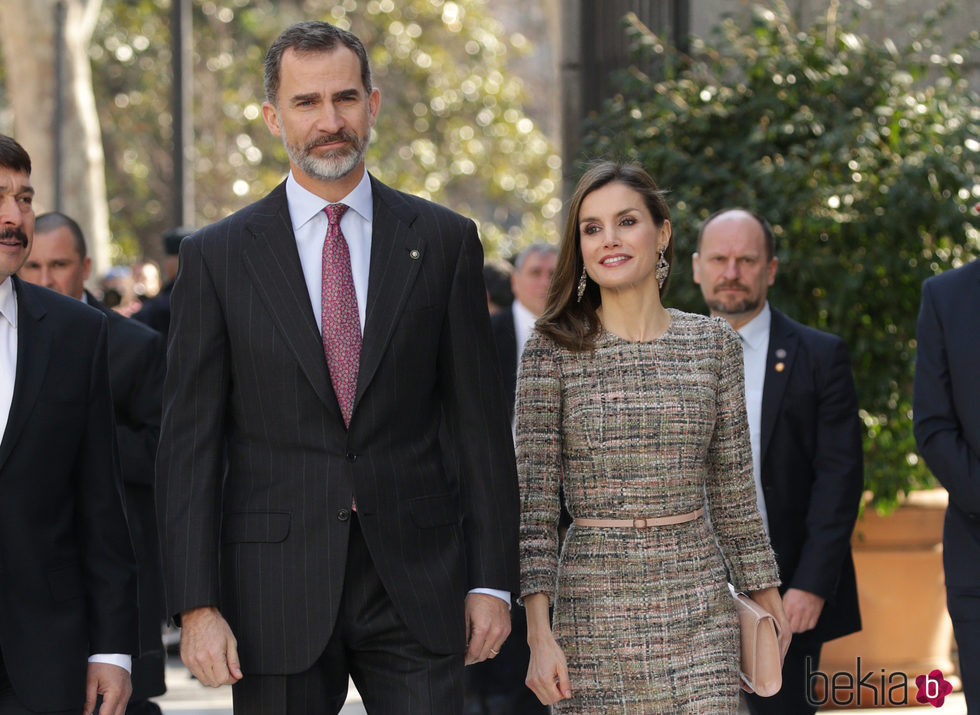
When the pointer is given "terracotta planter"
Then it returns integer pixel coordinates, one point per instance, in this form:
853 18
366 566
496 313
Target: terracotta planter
907 631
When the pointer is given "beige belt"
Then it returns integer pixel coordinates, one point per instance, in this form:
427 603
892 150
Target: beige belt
642 523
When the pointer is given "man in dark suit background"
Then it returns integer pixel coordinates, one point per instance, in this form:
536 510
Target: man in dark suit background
946 412
156 310
59 261
309 528
68 624
497 685
806 444
533 269
496 274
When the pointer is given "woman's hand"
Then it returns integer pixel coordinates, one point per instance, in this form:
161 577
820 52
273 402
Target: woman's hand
547 671
770 599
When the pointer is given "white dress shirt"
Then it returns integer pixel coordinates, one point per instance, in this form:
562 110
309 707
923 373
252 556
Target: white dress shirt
8 349
310 229
8 373
755 348
524 321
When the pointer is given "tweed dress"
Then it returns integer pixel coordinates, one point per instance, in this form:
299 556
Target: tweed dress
642 429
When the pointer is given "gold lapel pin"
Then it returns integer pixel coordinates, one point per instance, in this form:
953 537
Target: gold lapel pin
780 366
414 253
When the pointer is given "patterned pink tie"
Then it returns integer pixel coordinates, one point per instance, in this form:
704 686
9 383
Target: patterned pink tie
339 317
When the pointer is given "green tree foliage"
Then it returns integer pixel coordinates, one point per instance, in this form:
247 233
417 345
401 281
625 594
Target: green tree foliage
451 126
864 157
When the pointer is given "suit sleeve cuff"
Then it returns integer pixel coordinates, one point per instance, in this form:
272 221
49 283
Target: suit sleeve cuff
502 595
120 659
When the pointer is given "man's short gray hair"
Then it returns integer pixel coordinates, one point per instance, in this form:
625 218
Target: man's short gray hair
540 248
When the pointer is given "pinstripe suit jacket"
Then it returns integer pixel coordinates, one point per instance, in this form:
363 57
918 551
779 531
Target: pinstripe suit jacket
256 471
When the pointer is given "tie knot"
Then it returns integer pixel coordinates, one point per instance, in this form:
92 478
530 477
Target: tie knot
335 212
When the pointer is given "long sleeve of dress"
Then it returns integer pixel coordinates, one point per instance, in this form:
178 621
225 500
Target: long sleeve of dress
538 411
730 486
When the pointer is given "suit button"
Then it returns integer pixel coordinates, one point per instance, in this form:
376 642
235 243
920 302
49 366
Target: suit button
343 514
351 457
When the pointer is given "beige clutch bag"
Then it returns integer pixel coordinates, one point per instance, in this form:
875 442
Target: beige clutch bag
760 666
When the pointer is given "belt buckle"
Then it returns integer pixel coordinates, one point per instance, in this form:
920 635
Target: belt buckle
639 523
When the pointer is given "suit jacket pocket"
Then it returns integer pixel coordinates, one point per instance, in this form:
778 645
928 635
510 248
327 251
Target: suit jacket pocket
436 510
65 582
270 527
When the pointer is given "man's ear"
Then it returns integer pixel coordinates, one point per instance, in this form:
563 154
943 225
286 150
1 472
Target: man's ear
374 104
271 117
696 265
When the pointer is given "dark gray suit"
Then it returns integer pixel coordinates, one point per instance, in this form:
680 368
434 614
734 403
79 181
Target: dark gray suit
812 478
137 364
67 571
947 432
257 472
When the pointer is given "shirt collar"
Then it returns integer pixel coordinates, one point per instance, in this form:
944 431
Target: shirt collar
757 329
304 205
522 315
8 302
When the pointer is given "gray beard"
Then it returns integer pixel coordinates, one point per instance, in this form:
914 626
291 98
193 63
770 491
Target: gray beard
746 305
328 168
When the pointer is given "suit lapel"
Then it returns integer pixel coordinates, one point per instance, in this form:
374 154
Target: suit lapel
33 352
397 252
783 346
272 261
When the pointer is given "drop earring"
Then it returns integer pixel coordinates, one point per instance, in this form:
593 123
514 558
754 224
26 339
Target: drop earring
663 268
581 285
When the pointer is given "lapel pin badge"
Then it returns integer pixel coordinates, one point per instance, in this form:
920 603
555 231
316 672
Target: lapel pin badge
779 366
414 253
780 353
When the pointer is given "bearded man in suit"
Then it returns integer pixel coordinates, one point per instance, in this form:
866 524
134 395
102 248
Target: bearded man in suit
806 444
68 626
310 530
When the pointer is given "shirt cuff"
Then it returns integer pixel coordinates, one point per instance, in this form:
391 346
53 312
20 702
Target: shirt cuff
120 659
502 595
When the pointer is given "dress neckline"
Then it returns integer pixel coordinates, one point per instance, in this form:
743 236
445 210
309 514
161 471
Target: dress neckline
671 313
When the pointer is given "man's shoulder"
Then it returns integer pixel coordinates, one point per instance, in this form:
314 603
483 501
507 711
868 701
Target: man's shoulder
409 207
810 336
503 320
232 226
131 330
956 279
57 306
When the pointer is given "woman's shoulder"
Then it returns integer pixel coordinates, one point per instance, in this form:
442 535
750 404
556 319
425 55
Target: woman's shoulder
704 333
540 343
698 322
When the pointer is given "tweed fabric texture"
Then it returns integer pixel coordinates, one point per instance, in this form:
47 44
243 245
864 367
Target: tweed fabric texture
340 322
642 429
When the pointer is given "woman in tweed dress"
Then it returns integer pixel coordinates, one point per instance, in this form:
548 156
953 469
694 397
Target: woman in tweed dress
641 410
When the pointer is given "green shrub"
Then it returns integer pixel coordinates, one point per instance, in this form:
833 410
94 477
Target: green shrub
863 156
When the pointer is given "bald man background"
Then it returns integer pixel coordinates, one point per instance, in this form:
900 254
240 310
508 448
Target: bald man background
806 444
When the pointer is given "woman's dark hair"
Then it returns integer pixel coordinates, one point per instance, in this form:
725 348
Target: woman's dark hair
572 324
